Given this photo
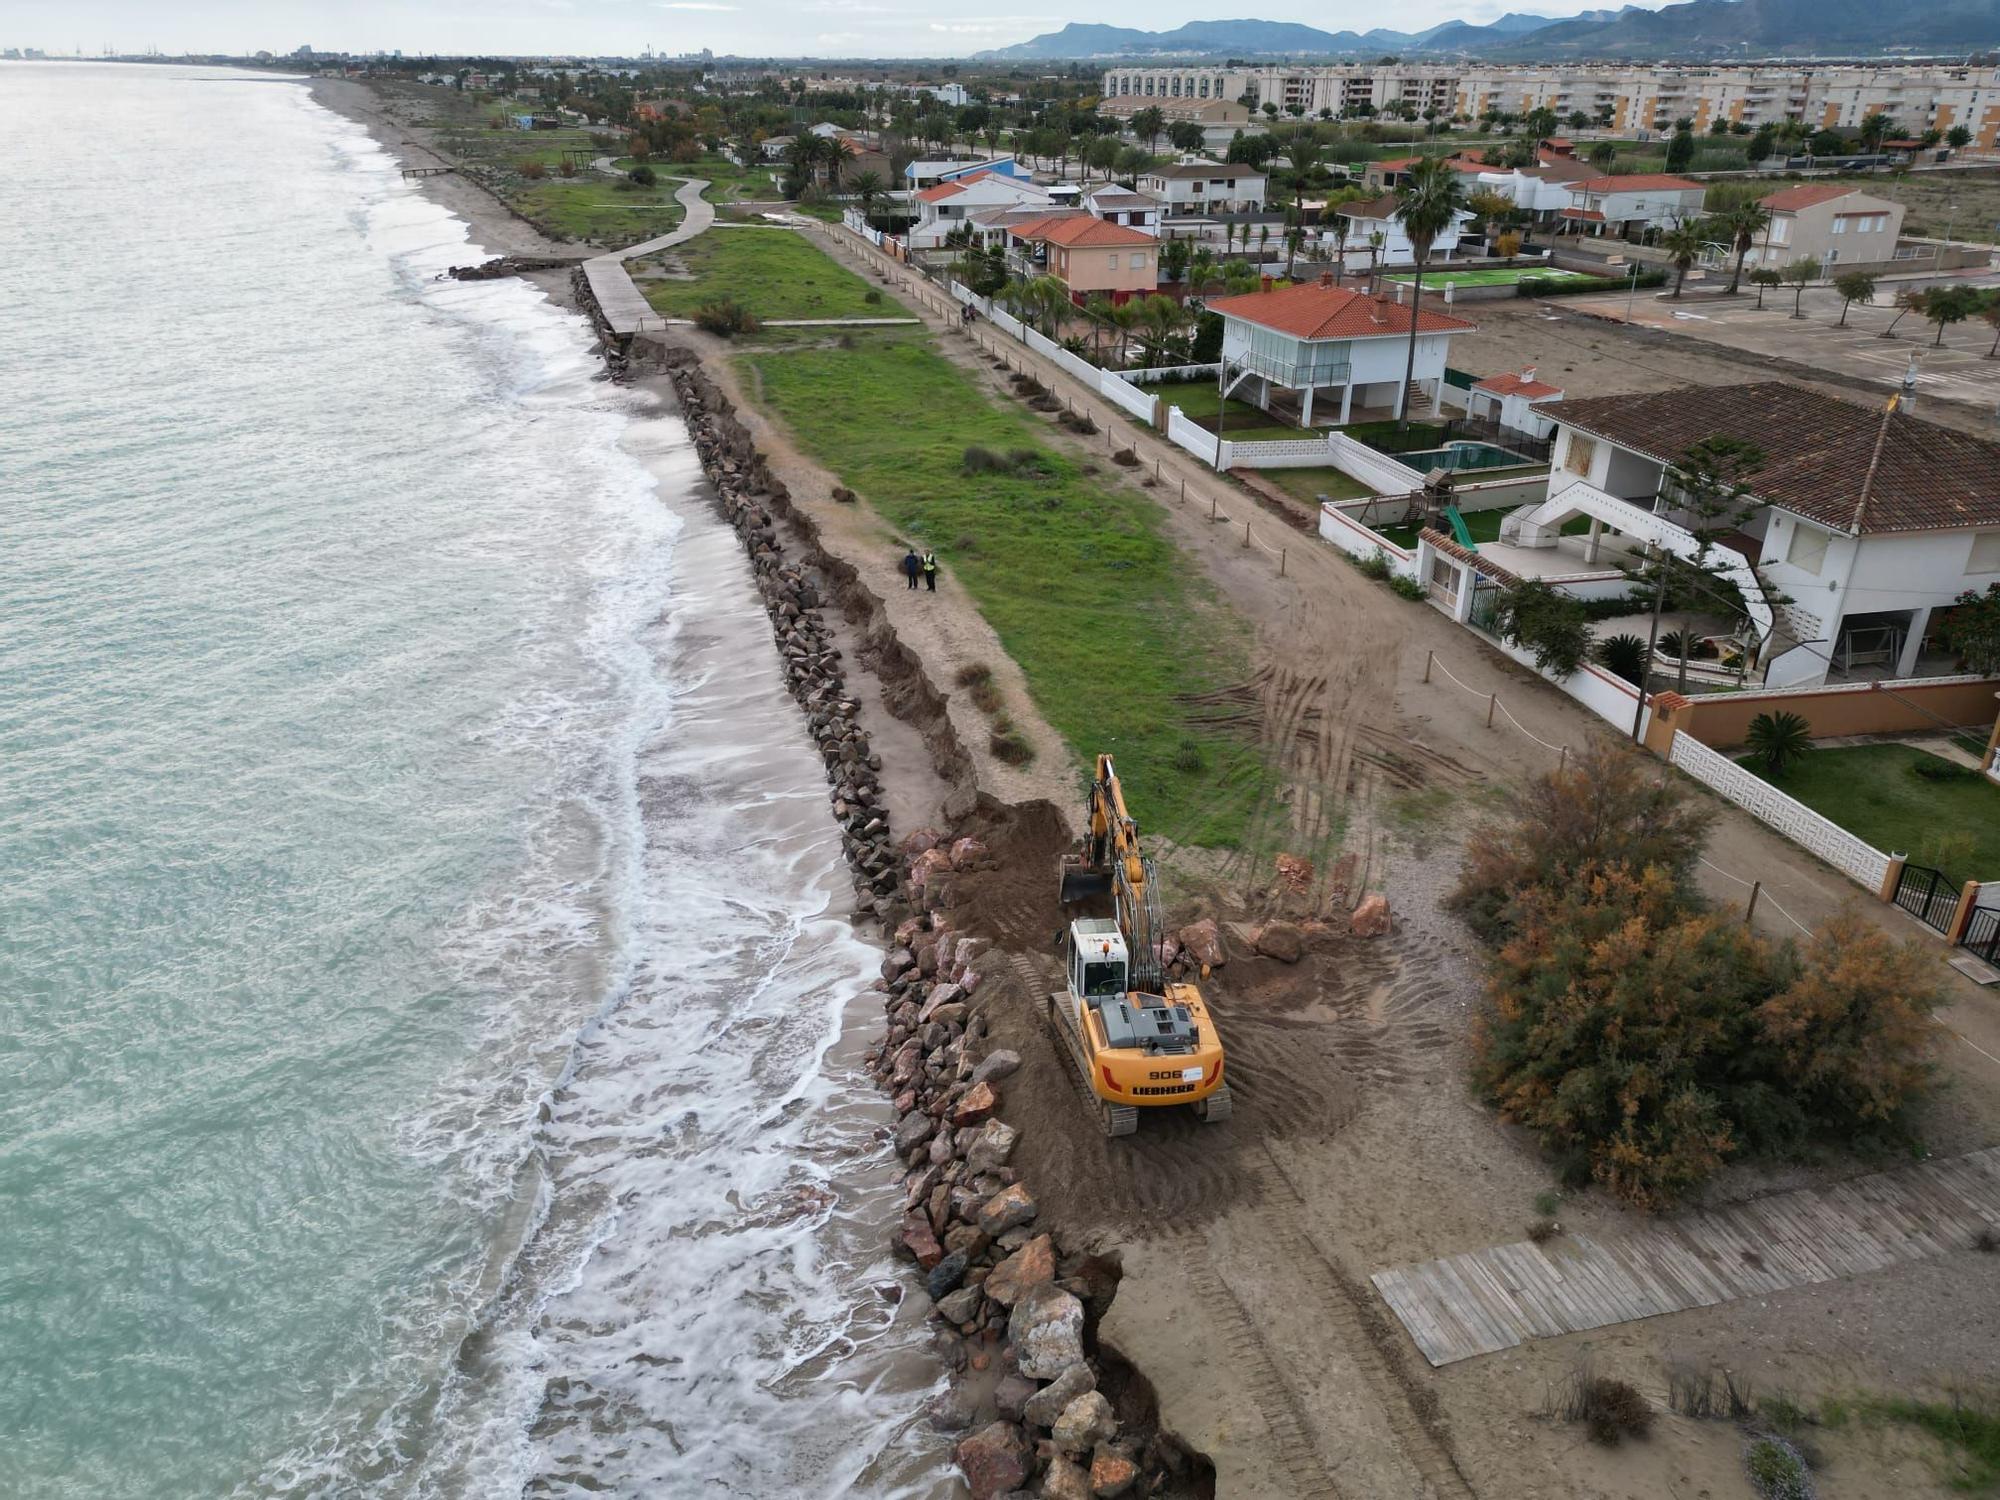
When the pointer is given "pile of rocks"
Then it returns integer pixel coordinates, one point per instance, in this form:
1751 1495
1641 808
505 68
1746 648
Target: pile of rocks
1019 1316
617 347
510 265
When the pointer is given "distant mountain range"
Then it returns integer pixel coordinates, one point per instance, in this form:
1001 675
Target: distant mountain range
1695 28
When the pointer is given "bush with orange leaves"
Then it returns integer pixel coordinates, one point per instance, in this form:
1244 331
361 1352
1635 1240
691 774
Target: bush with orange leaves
1648 1040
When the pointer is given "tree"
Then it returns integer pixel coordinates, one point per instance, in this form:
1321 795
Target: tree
1102 154
1174 259
1796 275
1540 123
1855 286
1147 125
1428 204
1125 317
1185 135
1908 300
1683 240
1201 270
1971 627
1876 129
1946 305
868 187
1778 740
1705 492
1680 150
1762 143
1624 656
1742 221
1494 208
1603 154
1161 319
1989 313
1958 138
1540 618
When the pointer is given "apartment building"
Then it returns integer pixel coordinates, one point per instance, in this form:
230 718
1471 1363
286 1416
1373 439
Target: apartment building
1624 97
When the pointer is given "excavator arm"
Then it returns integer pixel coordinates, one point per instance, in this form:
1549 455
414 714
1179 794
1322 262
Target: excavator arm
1114 864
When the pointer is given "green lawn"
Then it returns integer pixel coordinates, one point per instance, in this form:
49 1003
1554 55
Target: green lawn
772 272
1104 616
1242 422
1314 485
1491 276
591 206
1875 793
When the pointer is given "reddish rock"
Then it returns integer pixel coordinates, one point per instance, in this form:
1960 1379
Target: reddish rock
1010 1395
1027 1268
994 1460
1203 943
918 1240
966 852
909 1058
942 995
920 841
1111 1475
1065 1480
978 1102
1005 1209
1282 941
926 868
1371 917
991 1145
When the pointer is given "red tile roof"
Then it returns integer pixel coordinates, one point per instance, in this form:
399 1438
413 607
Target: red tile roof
1805 195
1636 182
939 193
1375 208
1397 164
1589 214
1316 310
1083 229
1820 454
1511 384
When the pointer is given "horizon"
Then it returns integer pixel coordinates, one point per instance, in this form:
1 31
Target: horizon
889 30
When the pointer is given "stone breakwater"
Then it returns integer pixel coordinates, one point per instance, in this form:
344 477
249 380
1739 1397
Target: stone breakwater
1047 1410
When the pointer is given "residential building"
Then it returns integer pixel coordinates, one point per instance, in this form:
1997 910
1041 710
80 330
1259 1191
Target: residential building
1220 119
864 156
1090 256
943 207
775 147
1865 524
923 174
1192 187
1630 206
1834 225
1514 401
1319 343
1120 205
1375 235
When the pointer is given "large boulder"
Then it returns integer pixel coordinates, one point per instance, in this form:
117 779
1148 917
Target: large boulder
961 1306
1065 1480
1049 1402
1085 1422
1282 941
992 1143
1005 1209
1111 1475
1011 1393
941 996
975 1104
996 1065
1371 917
919 1240
1203 942
1046 1329
1028 1267
994 1460
945 1276
912 1131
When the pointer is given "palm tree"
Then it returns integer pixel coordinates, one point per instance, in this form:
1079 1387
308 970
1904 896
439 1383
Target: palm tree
1125 317
1293 235
1683 241
1161 318
1201 270
1428 204
1743 222
867 187
1342 227
1778 739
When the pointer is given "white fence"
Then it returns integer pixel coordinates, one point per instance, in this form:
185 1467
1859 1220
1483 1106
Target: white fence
1863 863
1187 373
1113 385
1356 540
1378 471
853 220
1124 394
1192 436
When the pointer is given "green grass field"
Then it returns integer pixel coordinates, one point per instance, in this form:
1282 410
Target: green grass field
1314 485
593 207
1106 619
1875 793
1490 276
772 272
1242 422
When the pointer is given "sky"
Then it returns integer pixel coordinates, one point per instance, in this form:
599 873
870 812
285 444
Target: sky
751 28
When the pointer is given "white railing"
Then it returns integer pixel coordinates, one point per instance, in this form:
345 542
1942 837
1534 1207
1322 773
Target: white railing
1192 436
1381 473
1124 394
1861 862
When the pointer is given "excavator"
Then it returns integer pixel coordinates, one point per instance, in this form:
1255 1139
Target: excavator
1138 1041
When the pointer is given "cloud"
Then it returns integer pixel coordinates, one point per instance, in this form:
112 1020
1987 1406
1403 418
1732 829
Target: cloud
692 5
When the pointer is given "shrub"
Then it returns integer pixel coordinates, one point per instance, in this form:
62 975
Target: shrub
1777 1472
1375 565
725 317
1409 588
567 167
1541 618
1609 1409
1603 808
1125 458
1541 1231
644 175
1705 1393
534 171
1078 423
1623 656
1944 770
1779 739
972 674
843 494
1544 286
871 296
1008 747
1188 756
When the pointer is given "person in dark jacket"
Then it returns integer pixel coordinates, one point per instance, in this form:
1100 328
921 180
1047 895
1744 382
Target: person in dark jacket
912 566
930 571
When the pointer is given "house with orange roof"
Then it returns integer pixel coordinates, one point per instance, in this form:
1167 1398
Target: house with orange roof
945 206
1316 340
1510 401
1089 255
1631 206
1834 225
1375 235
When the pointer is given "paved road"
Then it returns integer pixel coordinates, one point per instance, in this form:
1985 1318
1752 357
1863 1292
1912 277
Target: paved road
623 305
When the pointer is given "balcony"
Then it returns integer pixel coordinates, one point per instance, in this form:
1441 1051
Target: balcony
1310 370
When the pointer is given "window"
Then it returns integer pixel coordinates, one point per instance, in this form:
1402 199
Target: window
1103 979
1111 261
1807 551
1138 260
1840 224
1781 232
1581 455
1985 556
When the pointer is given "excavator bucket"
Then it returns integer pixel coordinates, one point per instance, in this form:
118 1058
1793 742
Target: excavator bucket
1080 882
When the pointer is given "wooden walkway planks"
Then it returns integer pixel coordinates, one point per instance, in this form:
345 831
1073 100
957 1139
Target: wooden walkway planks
1487 1300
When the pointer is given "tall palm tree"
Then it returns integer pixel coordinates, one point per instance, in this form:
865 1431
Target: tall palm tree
1342 227
1428 203
1125 317
1098 305
1683 241
867 187
1201 270
1742 221
1162 318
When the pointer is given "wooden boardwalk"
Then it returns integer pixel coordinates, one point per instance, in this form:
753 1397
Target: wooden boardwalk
1487 1300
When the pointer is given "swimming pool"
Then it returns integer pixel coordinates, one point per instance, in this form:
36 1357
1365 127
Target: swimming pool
1462 456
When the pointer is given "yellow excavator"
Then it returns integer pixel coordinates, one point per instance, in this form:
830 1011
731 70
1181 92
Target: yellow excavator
1138 1041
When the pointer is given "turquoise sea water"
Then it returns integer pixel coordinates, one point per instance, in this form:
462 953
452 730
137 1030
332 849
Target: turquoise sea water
422 982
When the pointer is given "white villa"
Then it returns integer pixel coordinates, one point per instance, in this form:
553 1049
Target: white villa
1865 524
1120 205
1626 206
1383 216
1324 343
945 206
1193 186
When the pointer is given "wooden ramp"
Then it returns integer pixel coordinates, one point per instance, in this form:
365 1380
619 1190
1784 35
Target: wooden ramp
1487 1300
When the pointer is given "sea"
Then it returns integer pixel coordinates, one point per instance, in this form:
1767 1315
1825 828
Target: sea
430 1021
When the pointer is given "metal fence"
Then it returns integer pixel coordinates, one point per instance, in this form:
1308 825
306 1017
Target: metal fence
1982 935
1421 437
1929 895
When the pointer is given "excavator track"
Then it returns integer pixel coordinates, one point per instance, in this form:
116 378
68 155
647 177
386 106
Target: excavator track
1113 1119
1215 1108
